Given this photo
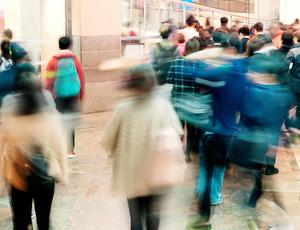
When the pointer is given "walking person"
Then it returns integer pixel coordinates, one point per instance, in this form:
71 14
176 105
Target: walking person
143 138
34 150
163 54
65 80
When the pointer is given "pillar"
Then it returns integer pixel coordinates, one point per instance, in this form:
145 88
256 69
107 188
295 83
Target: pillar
99 30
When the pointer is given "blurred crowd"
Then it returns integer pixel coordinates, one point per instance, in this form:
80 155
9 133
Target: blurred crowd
38 119
234 90
227 94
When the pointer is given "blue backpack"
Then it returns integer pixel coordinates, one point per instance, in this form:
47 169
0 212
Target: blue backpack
67 82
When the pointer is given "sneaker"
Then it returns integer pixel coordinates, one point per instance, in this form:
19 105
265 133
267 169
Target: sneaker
198 223
271 170
71 155
216 203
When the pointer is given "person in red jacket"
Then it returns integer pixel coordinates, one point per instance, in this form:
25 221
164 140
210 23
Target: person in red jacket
65 80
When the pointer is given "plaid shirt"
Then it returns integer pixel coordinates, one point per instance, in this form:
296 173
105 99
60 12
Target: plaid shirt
181 77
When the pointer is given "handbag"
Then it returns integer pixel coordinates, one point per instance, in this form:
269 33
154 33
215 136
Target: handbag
168 165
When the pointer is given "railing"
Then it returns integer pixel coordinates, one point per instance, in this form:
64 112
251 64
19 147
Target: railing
179 10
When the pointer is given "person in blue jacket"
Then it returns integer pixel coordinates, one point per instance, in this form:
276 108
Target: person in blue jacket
8 77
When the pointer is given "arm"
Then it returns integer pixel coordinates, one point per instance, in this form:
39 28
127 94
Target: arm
51 75
81 77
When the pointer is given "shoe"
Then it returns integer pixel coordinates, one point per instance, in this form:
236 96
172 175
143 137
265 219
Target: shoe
198 223
216 203
71 155
188 159
271 170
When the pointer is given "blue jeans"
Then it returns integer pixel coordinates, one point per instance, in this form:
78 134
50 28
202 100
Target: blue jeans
216 180
212 169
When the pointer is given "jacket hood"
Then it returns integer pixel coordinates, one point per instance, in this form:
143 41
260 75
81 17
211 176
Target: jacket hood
64 54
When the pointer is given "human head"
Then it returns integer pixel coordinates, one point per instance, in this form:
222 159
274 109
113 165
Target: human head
297 36
221 38
254 46
244 31
191 21
27 85
224 21
165 31
141 79
18 53
5 49
180 38
192 46
287 39
275 28
7 34
258 28
65 43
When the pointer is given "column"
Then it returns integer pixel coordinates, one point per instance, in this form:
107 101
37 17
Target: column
100 29
23 18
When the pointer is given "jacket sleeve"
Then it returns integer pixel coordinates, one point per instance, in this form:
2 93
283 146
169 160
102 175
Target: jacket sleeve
81 78
111 133
51 75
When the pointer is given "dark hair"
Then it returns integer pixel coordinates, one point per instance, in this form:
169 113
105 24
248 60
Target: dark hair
244 31
224 20
259 27
5 49
287 39
165 31
190 20
65 42
192 46
180 38
141 77
8 33
30 96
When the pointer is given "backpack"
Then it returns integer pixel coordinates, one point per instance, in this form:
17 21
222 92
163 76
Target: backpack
164 61
67 83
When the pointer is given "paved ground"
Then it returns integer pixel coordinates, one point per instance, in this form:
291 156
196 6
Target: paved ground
86 202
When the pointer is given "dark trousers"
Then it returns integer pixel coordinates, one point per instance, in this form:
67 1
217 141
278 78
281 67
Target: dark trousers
193 137
215 148
257 189
41 191
144 208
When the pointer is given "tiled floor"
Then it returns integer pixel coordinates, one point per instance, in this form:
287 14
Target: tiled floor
86 202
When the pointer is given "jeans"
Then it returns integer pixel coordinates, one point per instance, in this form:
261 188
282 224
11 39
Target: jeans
212 170
41 191
216 180
144 208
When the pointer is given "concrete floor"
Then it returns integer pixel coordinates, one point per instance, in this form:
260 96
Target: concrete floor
86 202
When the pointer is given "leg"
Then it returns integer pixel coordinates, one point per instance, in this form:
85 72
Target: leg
43 192
217 184
205 178
152 212
257 190
135 210
21 204
190 138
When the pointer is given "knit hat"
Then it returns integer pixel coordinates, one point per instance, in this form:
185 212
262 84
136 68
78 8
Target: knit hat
17 51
